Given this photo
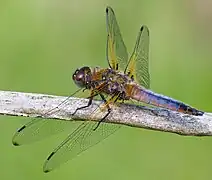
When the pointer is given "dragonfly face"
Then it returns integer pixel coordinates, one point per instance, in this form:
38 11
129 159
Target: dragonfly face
82 77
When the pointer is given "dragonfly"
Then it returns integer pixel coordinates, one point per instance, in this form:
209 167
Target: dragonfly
125 79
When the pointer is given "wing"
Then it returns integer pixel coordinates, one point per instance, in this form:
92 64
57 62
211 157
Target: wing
116 50
138 65
38 129
85 136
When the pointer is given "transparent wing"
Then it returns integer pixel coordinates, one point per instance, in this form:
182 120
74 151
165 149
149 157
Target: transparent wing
116 50
40 128
81 139
138 65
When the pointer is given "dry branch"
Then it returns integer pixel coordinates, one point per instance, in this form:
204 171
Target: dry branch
36 105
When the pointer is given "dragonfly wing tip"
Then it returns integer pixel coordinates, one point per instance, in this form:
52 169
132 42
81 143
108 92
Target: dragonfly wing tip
46 167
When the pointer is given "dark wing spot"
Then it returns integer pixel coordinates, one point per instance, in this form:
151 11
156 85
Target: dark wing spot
50 156
23 127
107 10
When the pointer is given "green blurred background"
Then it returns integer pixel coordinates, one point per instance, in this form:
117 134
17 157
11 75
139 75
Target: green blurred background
43 41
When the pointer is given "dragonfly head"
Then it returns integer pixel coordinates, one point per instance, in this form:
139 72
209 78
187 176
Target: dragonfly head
82 77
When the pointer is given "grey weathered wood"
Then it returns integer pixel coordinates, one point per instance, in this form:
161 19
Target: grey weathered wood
36 105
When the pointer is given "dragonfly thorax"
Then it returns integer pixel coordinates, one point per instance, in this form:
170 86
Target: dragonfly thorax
115 82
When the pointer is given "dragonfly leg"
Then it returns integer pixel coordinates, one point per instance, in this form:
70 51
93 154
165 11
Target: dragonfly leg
93 94
89 103
109 109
